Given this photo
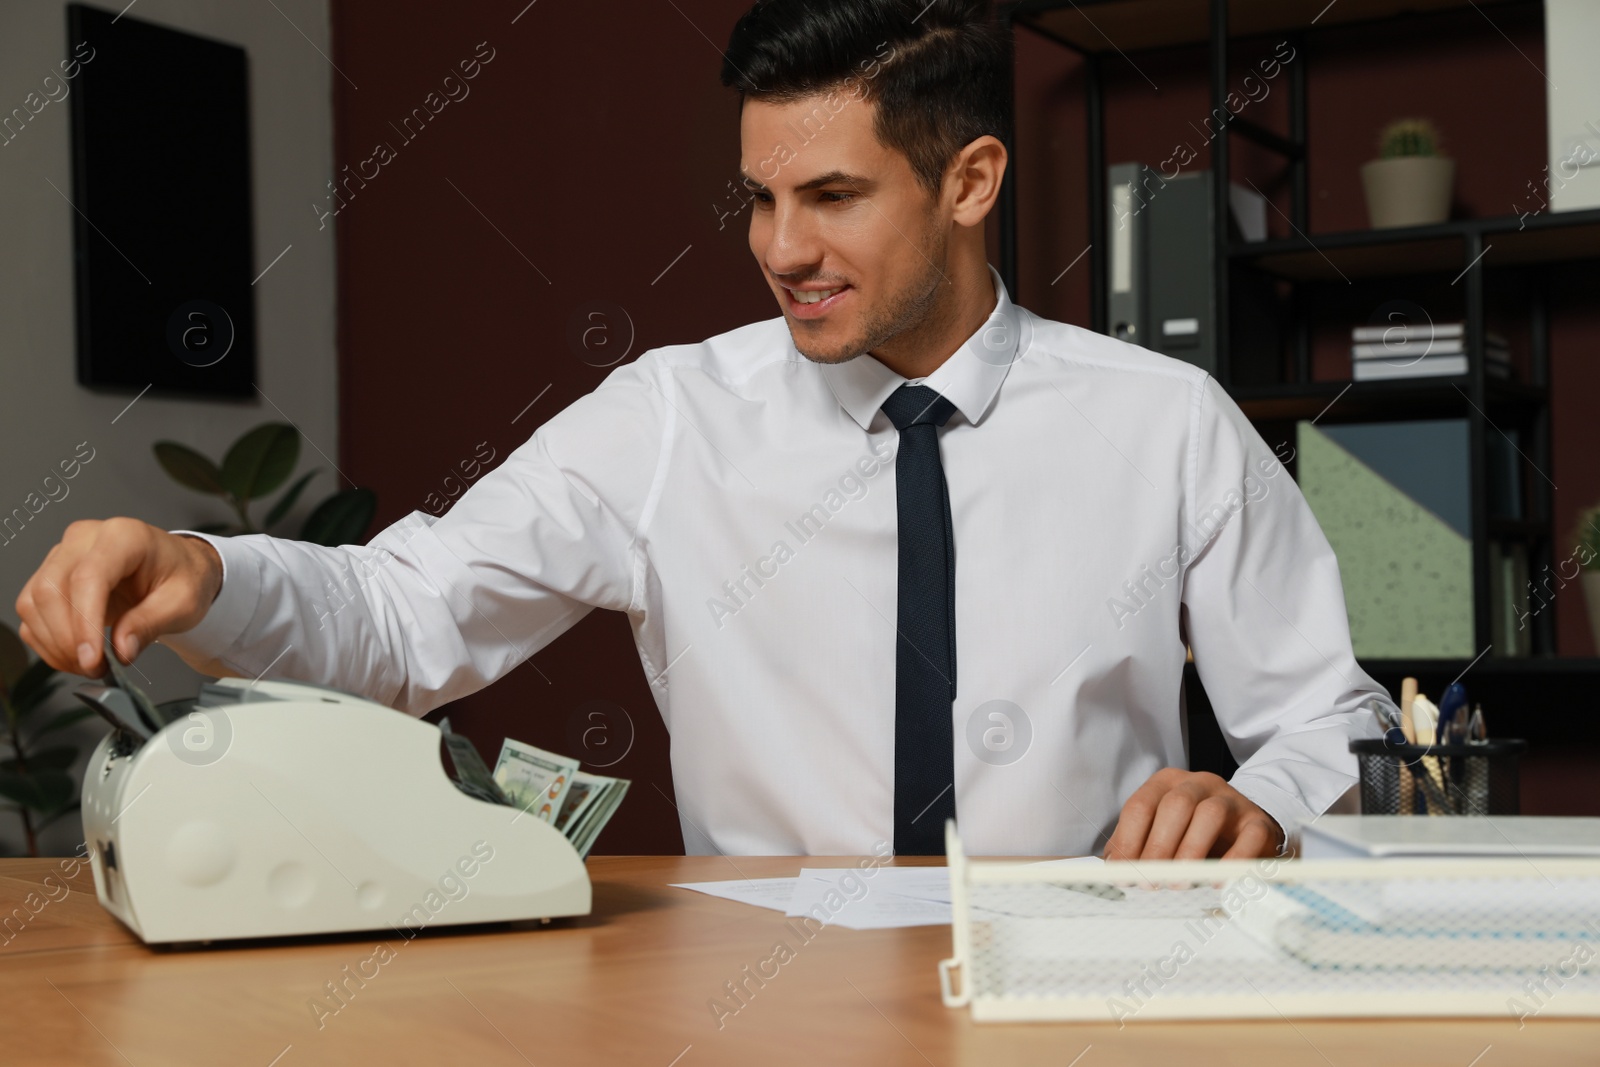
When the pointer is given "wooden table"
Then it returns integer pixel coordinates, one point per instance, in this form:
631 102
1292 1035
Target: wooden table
632 983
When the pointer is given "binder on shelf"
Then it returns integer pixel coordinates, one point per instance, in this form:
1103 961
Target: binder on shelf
1161 291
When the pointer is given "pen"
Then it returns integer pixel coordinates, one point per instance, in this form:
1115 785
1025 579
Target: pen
1407 801
1388 719
1433 791
1453 714
1477 733
1476 799
1408 696
1426 721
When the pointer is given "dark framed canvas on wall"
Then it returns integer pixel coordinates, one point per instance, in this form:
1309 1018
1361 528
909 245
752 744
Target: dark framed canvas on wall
162 220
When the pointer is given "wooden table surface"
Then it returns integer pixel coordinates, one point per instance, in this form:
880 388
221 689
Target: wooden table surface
632 983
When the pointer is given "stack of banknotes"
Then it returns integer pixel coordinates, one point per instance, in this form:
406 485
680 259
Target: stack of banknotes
542 784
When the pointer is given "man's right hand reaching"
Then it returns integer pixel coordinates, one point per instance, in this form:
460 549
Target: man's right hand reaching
139 578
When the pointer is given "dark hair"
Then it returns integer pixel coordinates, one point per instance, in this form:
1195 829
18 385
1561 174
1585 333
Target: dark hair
940 71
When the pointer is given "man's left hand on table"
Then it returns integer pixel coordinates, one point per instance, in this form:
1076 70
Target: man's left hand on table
1190 815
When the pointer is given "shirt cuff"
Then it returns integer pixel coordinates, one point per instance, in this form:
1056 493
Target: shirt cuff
235 605
1286 809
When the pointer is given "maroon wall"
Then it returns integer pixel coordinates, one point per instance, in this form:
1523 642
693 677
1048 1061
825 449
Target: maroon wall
593 150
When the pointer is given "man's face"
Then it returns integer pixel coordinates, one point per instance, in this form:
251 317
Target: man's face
835 209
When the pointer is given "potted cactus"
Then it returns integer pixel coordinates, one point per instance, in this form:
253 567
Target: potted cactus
1410 183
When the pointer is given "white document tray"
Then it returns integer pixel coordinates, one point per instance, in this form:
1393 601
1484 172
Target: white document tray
308 810
1275 938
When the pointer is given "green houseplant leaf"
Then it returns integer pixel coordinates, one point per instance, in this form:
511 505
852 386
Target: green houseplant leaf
13 659
261 460
55 758
37 781
341 519
76 805
1588 536
62 720
46 791
286 501
37 685
259 463
189 468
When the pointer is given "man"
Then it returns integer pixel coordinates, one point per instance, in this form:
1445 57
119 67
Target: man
906 552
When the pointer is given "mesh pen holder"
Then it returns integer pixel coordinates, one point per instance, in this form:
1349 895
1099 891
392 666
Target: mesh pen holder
1460 779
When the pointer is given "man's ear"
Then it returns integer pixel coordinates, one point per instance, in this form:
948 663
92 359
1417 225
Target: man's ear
977 172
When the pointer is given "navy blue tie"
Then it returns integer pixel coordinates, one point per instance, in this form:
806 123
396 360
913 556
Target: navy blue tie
925 652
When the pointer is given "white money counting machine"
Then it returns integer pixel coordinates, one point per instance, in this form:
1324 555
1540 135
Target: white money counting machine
271 808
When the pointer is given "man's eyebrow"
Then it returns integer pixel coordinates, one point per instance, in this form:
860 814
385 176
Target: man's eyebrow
833 177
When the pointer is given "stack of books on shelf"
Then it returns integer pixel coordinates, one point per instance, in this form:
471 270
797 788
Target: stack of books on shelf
1434 350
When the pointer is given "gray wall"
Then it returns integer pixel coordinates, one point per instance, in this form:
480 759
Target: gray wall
45 416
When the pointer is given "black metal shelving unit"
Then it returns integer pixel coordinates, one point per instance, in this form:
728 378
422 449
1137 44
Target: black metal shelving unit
1102 31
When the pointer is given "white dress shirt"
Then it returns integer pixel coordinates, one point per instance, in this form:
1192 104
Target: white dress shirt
737 500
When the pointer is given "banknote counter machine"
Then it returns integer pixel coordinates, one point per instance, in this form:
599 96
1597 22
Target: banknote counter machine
273 808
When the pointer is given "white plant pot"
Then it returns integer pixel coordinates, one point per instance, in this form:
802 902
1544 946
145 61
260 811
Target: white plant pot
1408 190
1591 594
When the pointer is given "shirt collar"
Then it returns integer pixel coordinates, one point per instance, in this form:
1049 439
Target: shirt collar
970 378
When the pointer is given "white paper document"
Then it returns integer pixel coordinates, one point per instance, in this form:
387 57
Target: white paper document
771 893
875 898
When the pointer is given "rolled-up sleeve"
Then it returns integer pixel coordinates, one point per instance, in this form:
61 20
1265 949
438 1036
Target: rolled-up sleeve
1264 613
438 606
